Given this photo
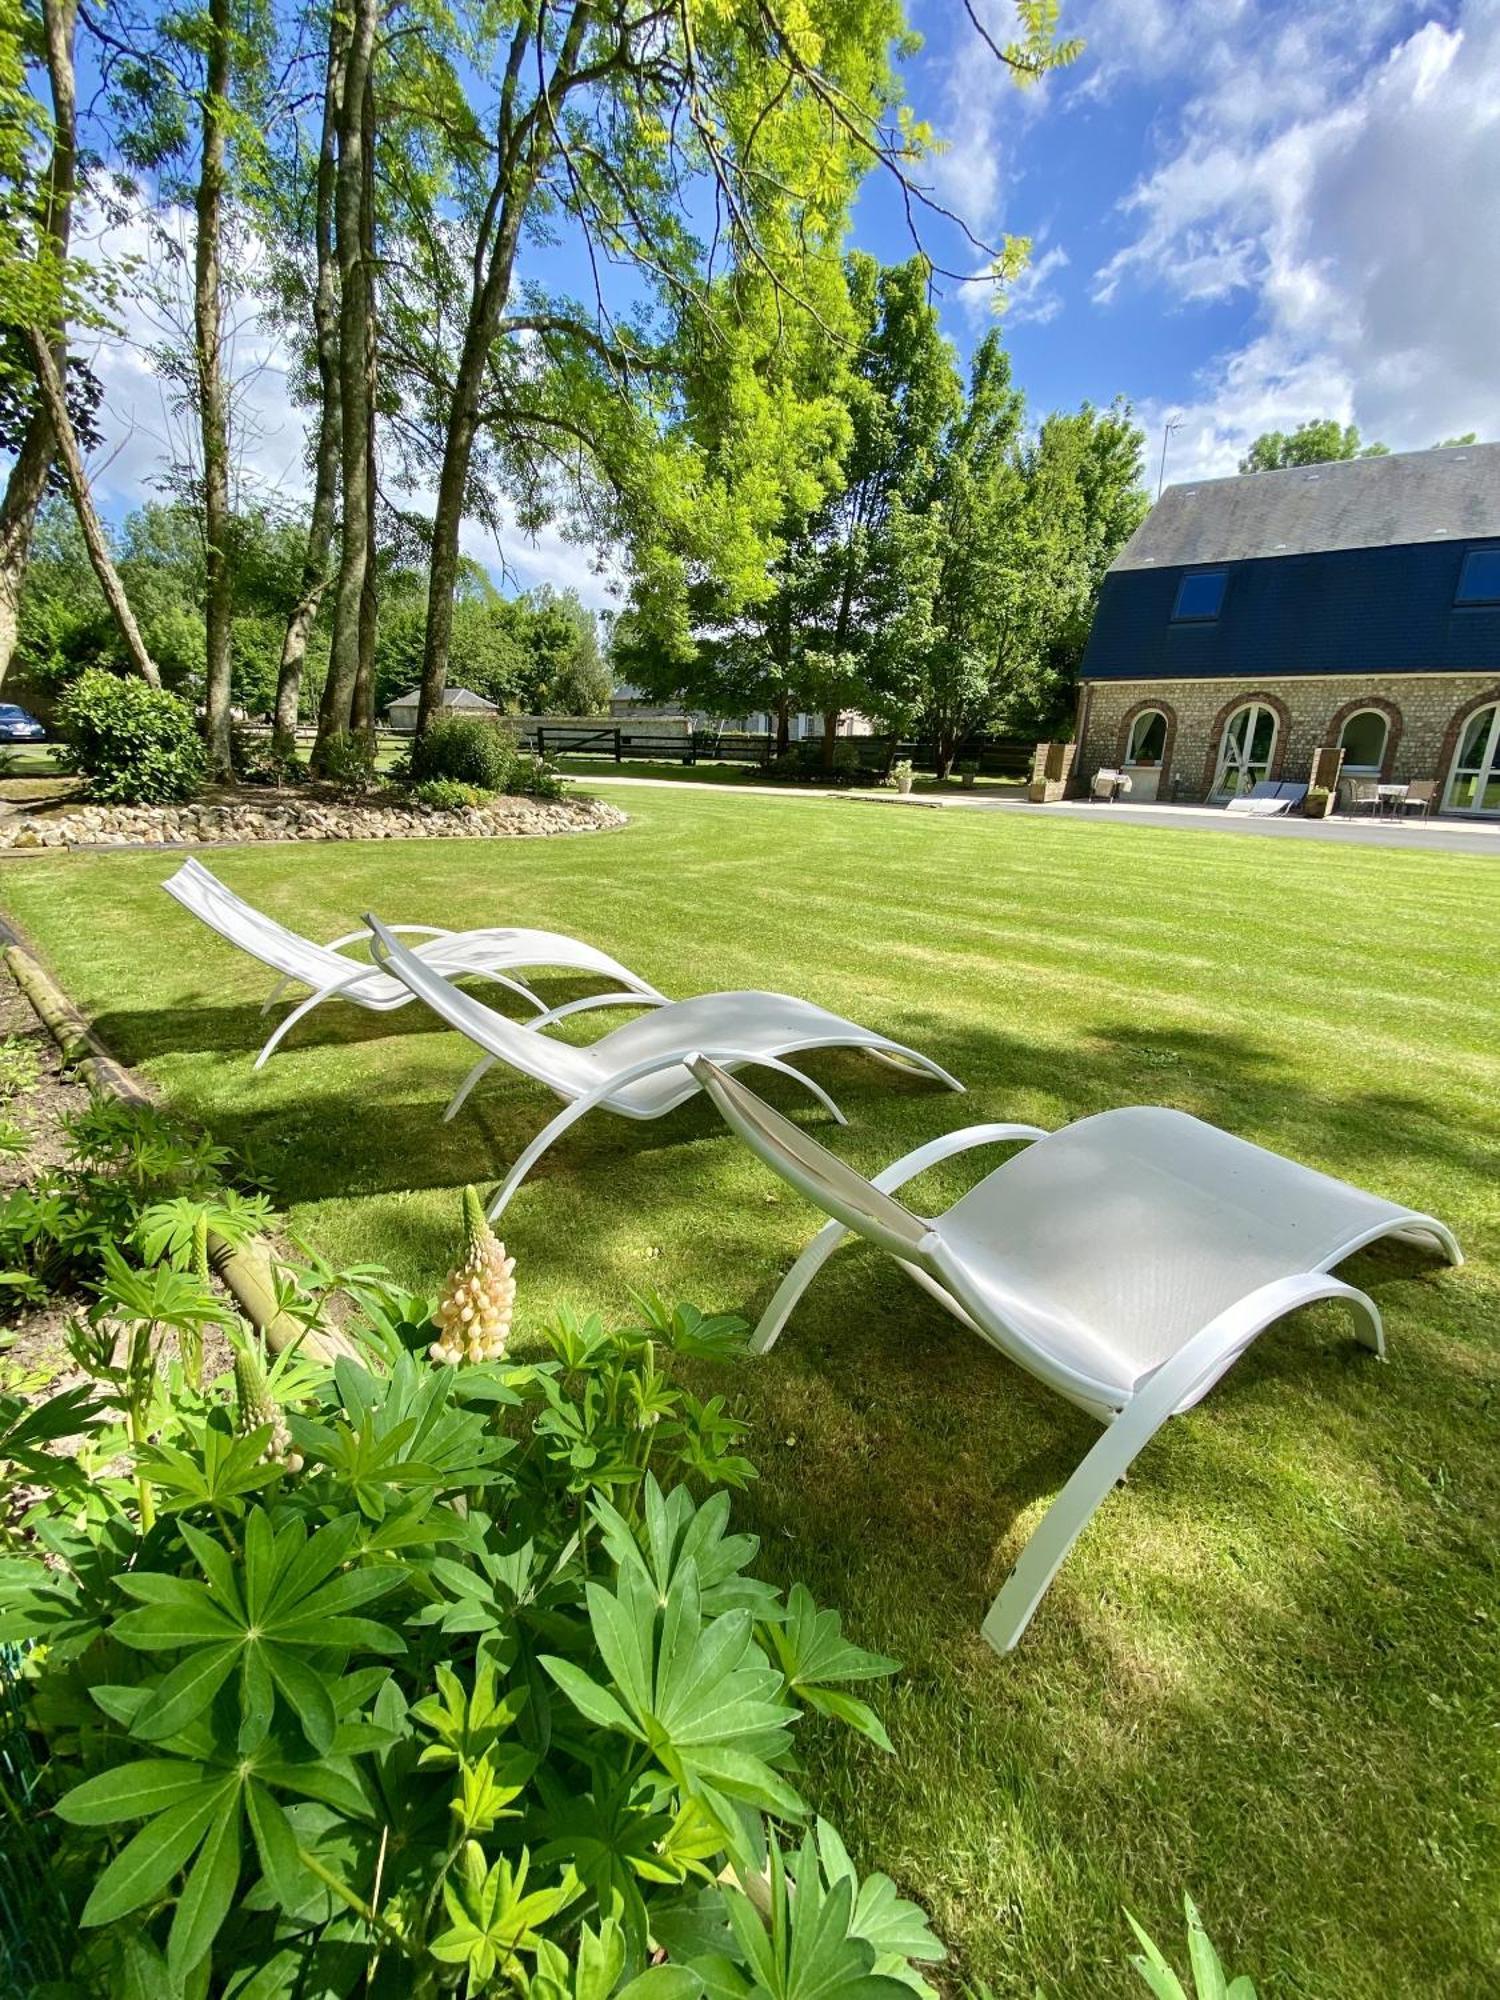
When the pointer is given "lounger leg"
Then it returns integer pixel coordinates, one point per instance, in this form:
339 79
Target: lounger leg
484 1064
303 1007
275 993
896 1056
794 1284
1205 1356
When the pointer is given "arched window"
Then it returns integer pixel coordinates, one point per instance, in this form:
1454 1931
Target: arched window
1363 740
1148 738
1475 783
1245 750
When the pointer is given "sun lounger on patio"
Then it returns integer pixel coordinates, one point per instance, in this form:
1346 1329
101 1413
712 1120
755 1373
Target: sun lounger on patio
1126 1261
1268 800
499 955
640 1070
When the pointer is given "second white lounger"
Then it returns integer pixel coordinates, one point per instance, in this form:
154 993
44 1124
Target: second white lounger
640 1070
1126 1261
499 954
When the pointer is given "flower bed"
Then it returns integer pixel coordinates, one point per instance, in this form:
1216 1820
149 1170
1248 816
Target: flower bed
304 819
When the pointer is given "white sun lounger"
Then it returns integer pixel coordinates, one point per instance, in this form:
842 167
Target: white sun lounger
497 954
1127 1261
640 1070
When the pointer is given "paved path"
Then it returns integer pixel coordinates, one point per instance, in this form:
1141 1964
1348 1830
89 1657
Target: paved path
1442 836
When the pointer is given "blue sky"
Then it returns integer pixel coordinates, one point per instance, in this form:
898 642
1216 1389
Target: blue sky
1244 214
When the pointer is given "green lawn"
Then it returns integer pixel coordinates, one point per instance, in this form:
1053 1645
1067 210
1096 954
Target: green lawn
1270 1673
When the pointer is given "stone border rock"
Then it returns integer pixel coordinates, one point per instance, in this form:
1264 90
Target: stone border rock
305 819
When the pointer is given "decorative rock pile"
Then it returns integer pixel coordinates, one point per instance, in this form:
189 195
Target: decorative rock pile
304 819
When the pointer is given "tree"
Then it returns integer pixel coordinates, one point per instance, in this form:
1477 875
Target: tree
1469 437
1317 442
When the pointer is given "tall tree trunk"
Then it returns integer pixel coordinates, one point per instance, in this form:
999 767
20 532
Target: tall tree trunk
83 500
27 481
23 494
494 265
59 20
783 723
830 735
337 712
325 312
213 393
363 716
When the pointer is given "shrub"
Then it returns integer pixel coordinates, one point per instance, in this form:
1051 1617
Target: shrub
448 795
427 1675
465 748
348 762
136 745
259 761
534 777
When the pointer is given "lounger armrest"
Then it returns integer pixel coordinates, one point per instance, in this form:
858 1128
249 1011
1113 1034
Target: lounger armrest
363 936
899 1172
593 1000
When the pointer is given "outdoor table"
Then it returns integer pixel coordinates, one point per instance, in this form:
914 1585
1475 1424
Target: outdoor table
1391 798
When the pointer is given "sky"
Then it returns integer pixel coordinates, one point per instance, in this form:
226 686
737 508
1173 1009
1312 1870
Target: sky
1242 216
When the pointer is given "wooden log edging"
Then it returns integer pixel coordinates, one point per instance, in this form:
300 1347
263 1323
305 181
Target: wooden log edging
249 1269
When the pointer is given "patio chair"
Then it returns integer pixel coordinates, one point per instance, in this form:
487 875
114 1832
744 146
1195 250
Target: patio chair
1126 1261
1108 785
1421 797
495 954
640 1070
1361 795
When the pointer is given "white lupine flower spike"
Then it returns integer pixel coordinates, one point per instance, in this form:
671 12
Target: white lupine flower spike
478 1298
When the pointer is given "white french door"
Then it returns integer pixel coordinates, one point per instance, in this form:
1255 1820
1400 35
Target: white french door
1245 750
1474 783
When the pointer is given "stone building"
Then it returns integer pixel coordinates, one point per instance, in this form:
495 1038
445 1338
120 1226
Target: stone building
1251 623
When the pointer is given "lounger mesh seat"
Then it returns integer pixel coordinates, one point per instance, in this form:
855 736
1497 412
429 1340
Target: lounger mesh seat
1127 1261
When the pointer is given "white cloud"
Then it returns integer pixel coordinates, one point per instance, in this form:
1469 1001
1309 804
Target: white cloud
1350 212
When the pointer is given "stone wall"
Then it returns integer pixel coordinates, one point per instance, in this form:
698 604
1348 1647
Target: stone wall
1426 714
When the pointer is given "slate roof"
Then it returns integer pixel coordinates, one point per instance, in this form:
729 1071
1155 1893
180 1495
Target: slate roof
1409 497
453 697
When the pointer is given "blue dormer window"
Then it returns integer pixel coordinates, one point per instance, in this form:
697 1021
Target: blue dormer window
1479 579
1200 596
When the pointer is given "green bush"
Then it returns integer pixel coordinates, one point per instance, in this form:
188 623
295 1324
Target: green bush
259 762
136 745
424 1675
348 761
448 795
534 777
465 748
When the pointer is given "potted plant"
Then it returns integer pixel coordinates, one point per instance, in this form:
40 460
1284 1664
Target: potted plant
968 774
902 774
1317 803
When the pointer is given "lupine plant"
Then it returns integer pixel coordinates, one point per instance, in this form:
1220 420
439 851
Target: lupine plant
419 1676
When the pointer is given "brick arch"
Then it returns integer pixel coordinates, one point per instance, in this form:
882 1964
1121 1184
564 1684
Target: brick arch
1395 724
1216 733
1169 743
1453 735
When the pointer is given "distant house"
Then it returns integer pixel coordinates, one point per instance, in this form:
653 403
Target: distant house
1251 622
402 713
629 704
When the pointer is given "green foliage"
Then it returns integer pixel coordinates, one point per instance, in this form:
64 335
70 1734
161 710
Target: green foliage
449 795
20 1067
1316 442
135 745
474 1688
535 777
469 750
348 762
258 761
121 1163
1210 1981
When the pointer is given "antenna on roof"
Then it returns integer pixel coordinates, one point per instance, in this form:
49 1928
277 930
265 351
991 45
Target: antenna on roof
1172 424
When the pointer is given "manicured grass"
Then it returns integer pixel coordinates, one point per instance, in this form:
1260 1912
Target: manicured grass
1269 1672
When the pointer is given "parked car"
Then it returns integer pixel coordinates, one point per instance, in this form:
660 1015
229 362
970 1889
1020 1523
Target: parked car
17 726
